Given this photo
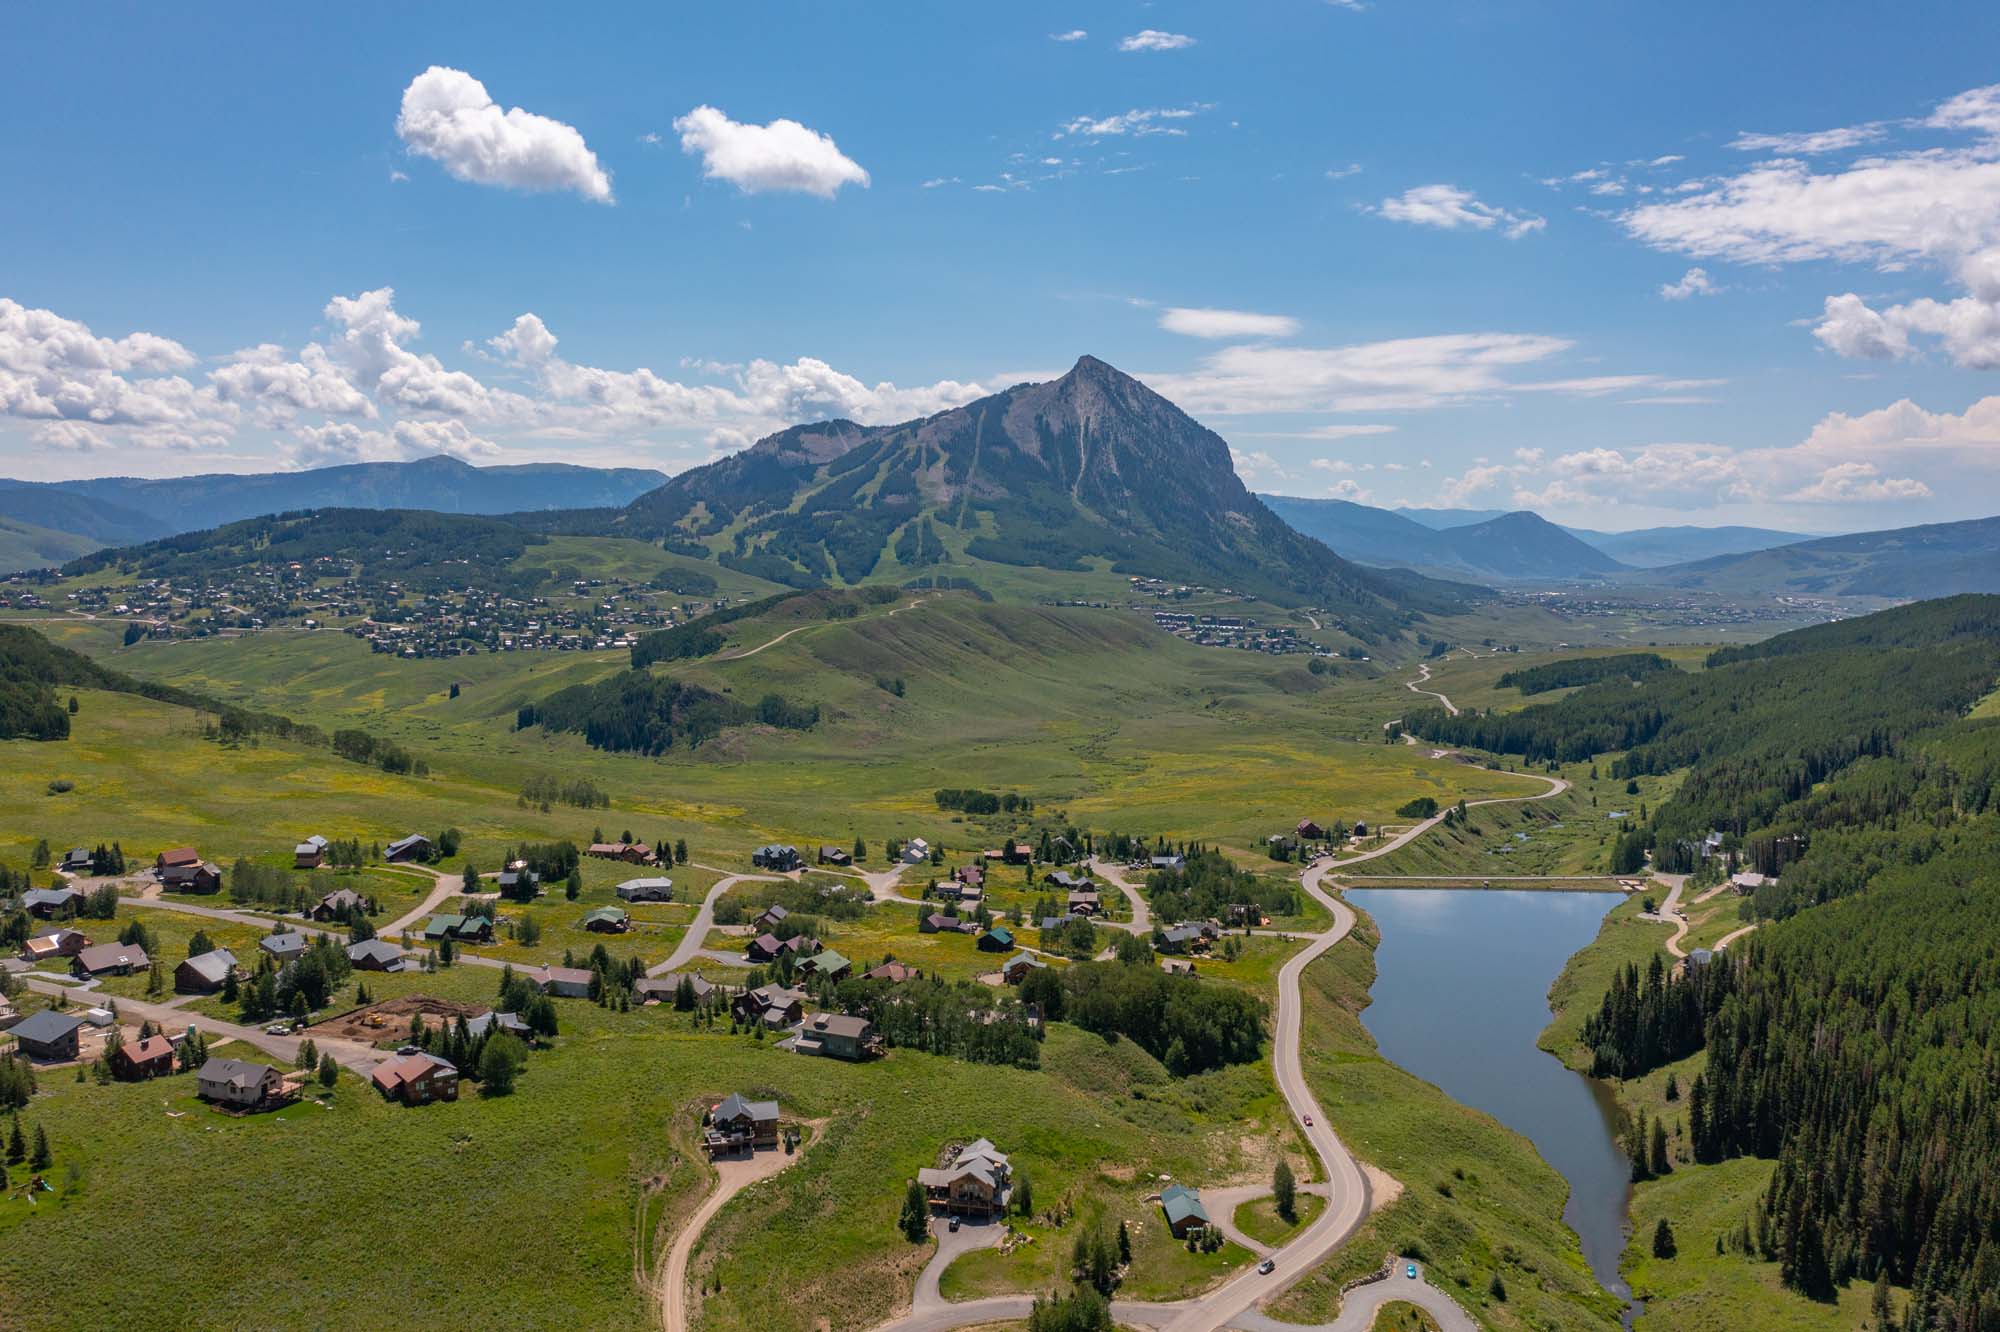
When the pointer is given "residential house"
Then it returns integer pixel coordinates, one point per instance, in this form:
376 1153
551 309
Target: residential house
238 1083
997 939
375 955
1188 938
518 882
112 959
1175 861
205 973
783 859
1360 829
632 853
1177 966
179 855
1064 879
770 918
200 877
561 982
662 989
338 905
48 1035
769 947
1308 831
828 964
739 1124
459 929
838 1036
1016 968
893 972
978 1182
939 923
282 948
76 860
833 855
62 942
1057 922
916 851
417 1079
1185 1214
971 876
607 920
1085 902
1749 881
310 854
646 890
1016 853
490 1021
152 1057
49 903
773 1005
414 847
1243 913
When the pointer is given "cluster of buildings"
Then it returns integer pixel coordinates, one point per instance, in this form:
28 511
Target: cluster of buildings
1235 631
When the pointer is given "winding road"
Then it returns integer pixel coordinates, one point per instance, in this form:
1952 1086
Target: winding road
732 1177
1424 677
1230 1305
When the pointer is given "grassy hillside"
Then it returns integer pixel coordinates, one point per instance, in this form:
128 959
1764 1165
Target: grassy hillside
1091 712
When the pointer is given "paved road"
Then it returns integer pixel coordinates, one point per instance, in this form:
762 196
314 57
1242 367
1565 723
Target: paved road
1360 1305
1142 911
352 1055
1346 1185
690 945
1424 677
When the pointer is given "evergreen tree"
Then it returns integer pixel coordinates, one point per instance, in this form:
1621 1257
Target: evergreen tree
43 1158
17 1143
915 1221
1284 1192
1663 1240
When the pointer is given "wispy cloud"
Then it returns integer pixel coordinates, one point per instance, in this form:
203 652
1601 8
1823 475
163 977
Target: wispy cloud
1152 39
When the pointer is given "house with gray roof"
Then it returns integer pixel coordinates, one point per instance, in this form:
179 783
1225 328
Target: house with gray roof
205 973
283 948
740 1124
48 1035
239 1083
112 959
646 890
375 955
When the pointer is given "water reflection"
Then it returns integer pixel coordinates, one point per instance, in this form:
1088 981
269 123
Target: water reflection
1460 996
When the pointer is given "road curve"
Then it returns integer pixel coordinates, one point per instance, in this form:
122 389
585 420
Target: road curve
1424 677
1230 1305
690 945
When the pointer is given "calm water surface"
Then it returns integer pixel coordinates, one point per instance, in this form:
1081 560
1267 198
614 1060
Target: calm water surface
1460 996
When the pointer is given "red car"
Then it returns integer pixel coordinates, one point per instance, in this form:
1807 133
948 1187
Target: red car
1309 1121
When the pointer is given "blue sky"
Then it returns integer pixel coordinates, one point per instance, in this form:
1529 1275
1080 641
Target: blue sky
1691 265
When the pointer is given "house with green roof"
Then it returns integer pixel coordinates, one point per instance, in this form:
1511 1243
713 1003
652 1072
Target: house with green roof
607 920
1185 1214
459 929
998 939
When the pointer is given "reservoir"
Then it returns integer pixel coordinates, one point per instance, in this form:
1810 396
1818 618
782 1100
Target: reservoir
1460 996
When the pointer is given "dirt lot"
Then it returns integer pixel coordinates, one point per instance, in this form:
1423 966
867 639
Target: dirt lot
391 1019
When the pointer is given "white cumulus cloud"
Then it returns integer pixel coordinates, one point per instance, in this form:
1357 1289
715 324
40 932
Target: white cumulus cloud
1451 209
1152 39
448 116
757 159
1694 282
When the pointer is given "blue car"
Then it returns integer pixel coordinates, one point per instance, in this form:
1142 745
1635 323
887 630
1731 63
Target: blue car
1410 1271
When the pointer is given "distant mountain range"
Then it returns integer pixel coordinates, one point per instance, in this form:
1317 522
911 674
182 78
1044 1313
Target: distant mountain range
1936 560
1507 545
71 518
1091 466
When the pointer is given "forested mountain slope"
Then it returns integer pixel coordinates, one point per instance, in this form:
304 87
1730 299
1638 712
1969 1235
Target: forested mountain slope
1854 1038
